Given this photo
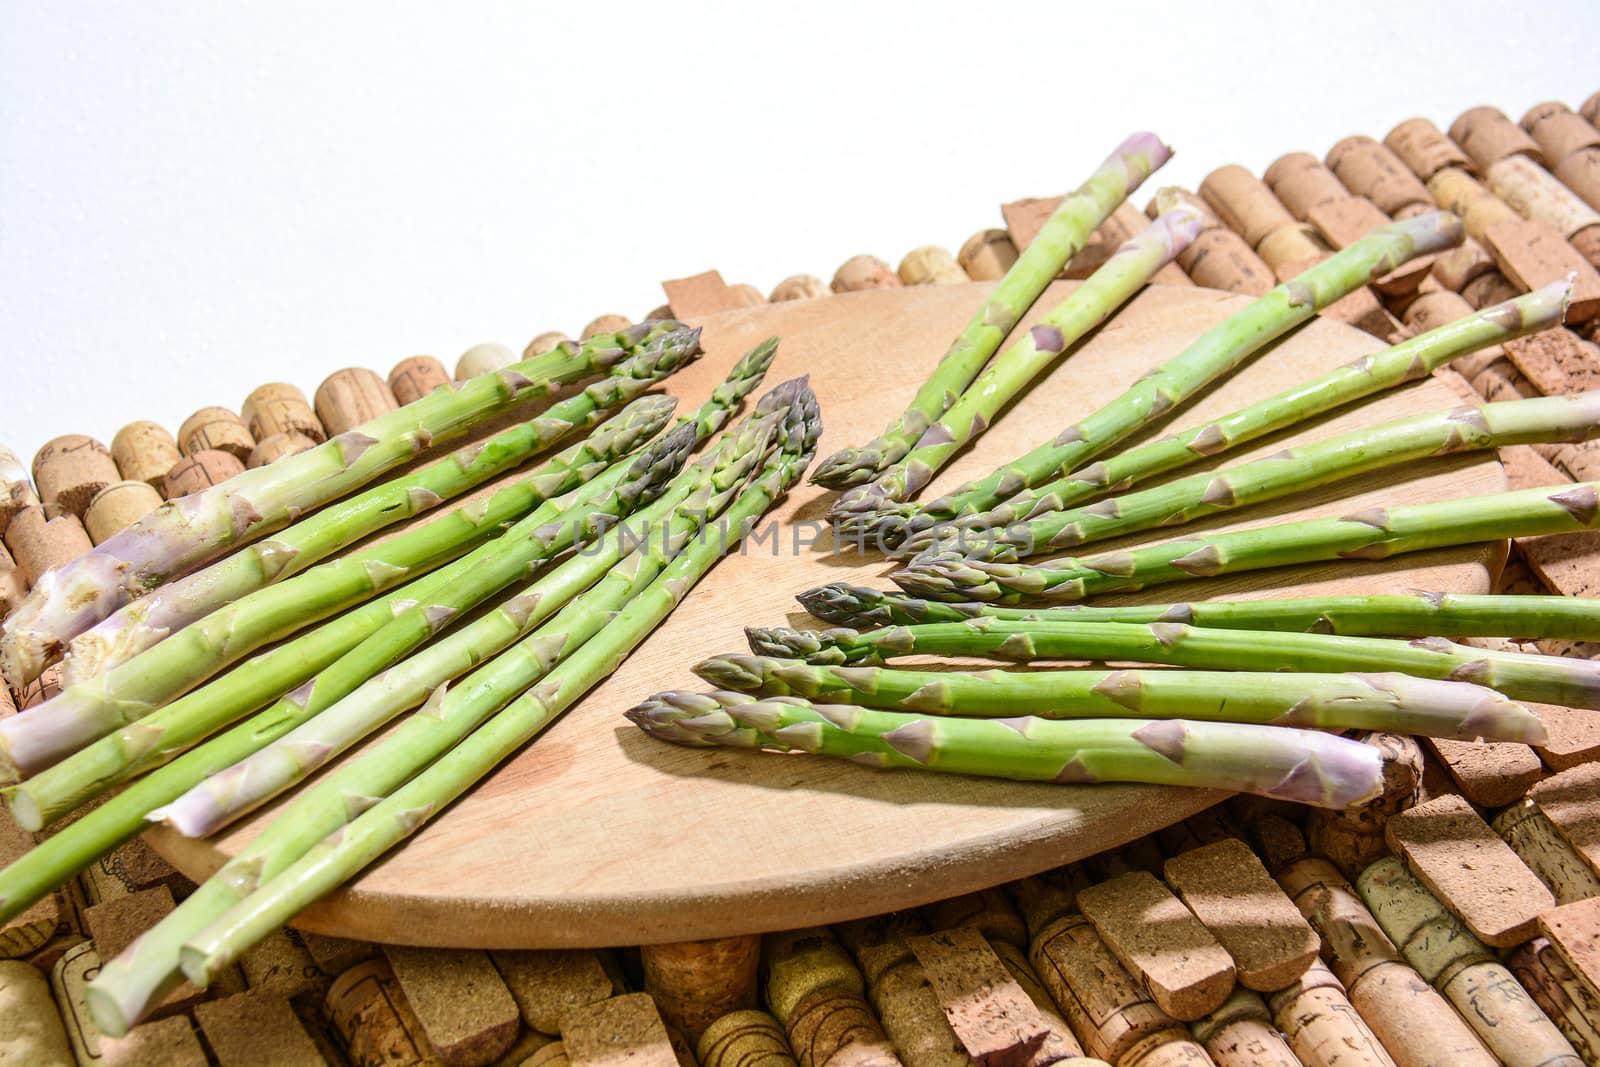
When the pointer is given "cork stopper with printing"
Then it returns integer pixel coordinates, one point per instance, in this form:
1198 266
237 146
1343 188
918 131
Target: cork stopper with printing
483 359
801 962
1580 172
1292 249
1461 193
1241 1034
374 1022
1558 130
609 323
117 506
834 1027
987 255
1317 1020
1535 839
69 471
144 451
1107 1008
1370 169
1424 148
39 539
271 449
415 377
279 407
1353 837
1563 994
217 429
864 272
1486 135
1535 194
695 983
547 983
545 342
798 287
349 397
1244 203
1455 268
1301 182
744 1039
199 471
931 265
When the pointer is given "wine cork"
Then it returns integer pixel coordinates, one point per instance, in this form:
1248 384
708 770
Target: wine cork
1301 182
899 990
1489 289
546 984
1241 1034
1322 1029
466 1011
118 506
551 1055
931 265
215 429
1535 839
1292 249
1344 222
1169 197
1026 217
482 359
1556 361
1433 310
1463 968
16 487
336 955
833 1027
373 1020
1245 204
1572 734
1353 838
42 688
1043 898
1233 896
1424 148
1486 135
1590 109
746 294
1060 1043
798 287
13 584
278 407
1277 841
144 451
352 396
987 255
71 469
864 272
38 543
1571 800
31 1034
800 962
545 342
199 471
1455 268
706 294
1168 1048
1180 962
1558 130
1107 1008
744 1039
697 982
1532 255
1221 259
604 324
1413 1020
1461 193
1140 854
1580 172
624 1029
998 1025
169 1042
416 376
24 934
988 910
271 449
1570 1002
1370 169
279 965
256 1028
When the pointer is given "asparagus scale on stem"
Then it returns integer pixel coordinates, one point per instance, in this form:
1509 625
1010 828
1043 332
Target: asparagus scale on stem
1387 701
1420 615
1170 384
1305 766
184 533
1090 304
1062 236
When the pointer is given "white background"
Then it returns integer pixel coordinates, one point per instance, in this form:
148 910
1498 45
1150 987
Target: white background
199 198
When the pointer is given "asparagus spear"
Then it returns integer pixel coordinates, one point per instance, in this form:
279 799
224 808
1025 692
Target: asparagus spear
1061 237
1407 361
1169 384
1332 459
1304 766
183 534
700 490
1384 701
157 738
132 982
95 833
1544 679
336 859
1090 304
141 623
1376 533
1422 615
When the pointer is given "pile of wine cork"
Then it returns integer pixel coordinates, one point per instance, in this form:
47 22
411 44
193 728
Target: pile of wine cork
1454 920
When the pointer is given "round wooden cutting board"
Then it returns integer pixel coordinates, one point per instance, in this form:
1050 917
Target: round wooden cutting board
598 835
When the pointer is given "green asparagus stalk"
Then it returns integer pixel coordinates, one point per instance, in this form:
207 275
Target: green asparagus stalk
1388 701
1421 615
97 832
134 981
1169 384
1061 237
182 534
1090 304
336 859
139 624
1376 533
1292 470
1405 362
1305 766
702 489
89 711
1544 679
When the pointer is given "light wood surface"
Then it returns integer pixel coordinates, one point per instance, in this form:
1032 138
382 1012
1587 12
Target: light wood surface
597 835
